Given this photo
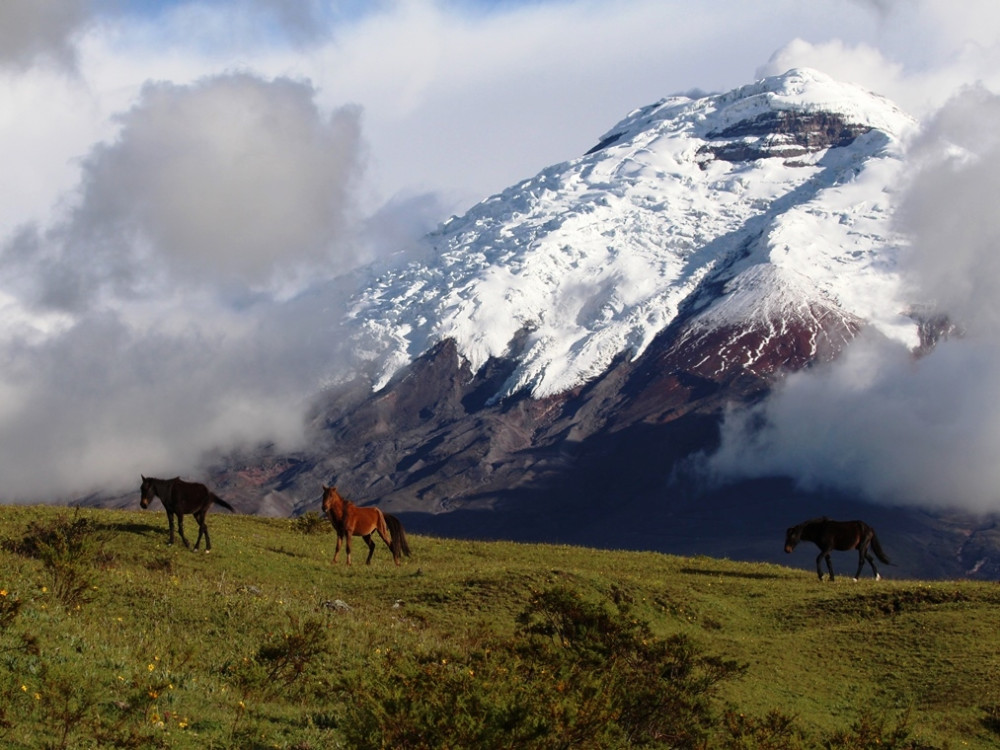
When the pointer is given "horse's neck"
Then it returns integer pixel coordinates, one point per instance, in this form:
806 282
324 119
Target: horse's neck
162 487
338 506
811 532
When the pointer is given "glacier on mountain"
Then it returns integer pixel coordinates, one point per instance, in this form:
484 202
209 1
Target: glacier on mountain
780 193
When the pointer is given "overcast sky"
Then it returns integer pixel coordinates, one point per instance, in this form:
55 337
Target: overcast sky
186 183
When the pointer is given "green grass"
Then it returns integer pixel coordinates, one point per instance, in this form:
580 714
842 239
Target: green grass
109 638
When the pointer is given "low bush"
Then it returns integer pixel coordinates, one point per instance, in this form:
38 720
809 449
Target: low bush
577 674
67 548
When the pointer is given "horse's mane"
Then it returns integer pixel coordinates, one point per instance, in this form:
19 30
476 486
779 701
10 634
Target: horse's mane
818 519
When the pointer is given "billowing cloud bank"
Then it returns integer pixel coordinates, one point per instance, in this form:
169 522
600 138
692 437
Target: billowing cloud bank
149 323
880 421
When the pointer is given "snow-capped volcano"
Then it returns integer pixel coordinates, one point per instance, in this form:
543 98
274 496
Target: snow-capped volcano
757 211
566 345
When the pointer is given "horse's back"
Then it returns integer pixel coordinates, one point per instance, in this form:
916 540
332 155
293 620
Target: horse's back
194 496
849 534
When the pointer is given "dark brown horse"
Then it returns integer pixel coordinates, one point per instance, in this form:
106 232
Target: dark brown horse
348 519
180 497
831 535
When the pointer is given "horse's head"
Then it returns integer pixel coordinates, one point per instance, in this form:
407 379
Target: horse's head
332 501
792 537
146 492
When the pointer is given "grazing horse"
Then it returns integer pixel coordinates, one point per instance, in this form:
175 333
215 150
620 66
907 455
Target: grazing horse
180 497
838 535
348 519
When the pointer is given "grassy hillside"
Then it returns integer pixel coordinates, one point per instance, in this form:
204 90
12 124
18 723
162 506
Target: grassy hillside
109 638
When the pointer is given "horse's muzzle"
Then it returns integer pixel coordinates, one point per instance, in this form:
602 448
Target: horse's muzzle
144 502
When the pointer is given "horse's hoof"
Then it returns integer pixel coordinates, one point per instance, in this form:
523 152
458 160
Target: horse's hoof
878 577
855 580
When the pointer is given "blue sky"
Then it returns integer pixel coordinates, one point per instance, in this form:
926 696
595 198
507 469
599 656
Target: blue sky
201 176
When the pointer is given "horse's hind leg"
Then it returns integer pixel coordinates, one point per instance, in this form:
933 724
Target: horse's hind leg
371 548
864 553
388 543
202 531
861 564
871 561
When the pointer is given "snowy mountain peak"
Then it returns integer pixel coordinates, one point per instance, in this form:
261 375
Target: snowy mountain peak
728 211
799 92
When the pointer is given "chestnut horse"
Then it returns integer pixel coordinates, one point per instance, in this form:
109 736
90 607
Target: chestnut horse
348 519
180 497
831 535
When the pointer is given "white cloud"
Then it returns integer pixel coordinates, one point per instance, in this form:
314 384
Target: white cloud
880 421
33 31
231 179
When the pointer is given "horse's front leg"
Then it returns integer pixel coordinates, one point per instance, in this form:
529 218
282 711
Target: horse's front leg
340 538
347 545
824 555
371 548
170 522
180 530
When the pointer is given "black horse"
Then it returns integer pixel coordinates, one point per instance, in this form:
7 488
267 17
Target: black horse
180 497
831 535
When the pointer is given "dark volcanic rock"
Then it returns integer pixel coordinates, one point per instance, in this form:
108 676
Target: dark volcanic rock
785 134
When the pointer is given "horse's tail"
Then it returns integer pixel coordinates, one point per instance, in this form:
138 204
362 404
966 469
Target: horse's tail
219 501
877 549
399 543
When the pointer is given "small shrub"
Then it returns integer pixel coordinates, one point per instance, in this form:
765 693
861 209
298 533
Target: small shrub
576 674
312 522
68 549
57 537
871 731
776 731
278 663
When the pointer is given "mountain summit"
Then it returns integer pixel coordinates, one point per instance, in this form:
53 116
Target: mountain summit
558 351
764 211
